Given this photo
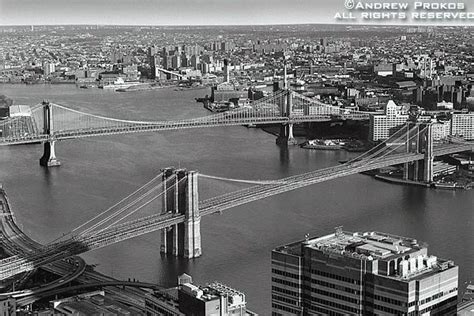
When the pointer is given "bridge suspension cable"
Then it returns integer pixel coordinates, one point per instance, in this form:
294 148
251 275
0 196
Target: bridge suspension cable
378 157
240 180
117 207
127 207
329 106
19 126
290 183
380 148
121 210
137 208
259 103
70 123
131 206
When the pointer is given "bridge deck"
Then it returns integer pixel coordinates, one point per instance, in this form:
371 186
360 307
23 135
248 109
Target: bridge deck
74 246
68 123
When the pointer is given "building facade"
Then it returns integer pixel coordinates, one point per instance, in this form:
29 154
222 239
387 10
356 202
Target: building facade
7 307
462 124
367 273
48 68
382 126
214 299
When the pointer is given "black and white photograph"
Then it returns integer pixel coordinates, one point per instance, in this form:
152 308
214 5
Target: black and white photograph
236 157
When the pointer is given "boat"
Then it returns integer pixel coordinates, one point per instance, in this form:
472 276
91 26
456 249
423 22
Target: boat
445 185
121 84
323 144
216 107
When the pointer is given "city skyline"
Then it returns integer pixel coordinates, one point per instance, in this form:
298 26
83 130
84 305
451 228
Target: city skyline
187 12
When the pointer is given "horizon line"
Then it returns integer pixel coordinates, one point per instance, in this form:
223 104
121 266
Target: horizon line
265 24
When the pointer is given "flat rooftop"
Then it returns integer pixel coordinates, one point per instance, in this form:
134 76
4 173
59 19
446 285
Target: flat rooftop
376 245
368 244
373 246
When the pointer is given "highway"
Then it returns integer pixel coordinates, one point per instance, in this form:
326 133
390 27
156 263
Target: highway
78 262
20 244
37 295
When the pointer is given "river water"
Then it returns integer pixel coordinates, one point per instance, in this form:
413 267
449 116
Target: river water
99 171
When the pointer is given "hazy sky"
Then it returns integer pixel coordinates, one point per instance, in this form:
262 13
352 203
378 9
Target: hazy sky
171 12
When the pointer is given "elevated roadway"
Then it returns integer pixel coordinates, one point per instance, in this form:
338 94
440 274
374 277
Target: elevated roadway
69 270
63 123
30 298
77 245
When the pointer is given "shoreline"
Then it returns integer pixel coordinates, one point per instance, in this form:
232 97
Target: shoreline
401 181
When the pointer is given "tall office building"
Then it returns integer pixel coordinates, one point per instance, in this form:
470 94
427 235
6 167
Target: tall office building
369 273
155 64
226 71
166 61
462 124
382 126
176 61
195 62
151 52
48 68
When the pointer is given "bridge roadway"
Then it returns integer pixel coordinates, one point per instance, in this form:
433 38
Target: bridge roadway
77 245
17 243
257 192
211 121
69 123
78 262
24 300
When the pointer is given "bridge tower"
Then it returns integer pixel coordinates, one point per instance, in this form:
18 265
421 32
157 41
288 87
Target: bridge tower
181 197
429 154
49 155
419 140
286 136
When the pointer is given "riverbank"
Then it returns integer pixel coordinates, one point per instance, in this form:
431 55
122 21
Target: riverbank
439 184
401 181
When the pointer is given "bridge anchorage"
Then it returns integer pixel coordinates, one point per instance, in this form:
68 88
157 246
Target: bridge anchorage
49 155
180 196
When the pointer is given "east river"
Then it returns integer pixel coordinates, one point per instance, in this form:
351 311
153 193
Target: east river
99 171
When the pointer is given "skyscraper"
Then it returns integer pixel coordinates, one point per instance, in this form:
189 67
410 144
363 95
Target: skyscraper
369 273
151 52
48 68
176 61
155 64
226 70
195 62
